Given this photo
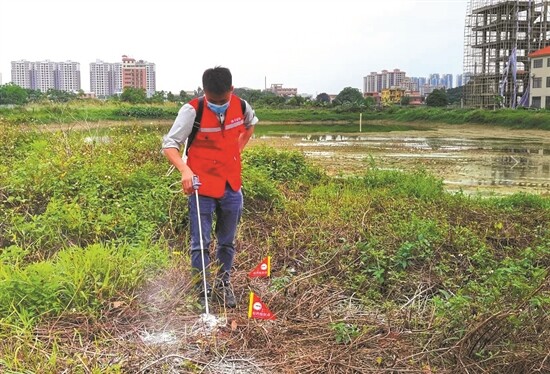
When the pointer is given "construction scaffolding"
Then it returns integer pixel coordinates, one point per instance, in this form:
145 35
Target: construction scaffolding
498 37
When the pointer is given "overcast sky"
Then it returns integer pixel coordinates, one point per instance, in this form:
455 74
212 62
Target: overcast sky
313 45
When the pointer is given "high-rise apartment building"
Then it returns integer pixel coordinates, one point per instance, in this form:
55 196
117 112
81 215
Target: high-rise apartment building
21 73
67 76
415 83
139 74
151 78
422 85
447 80
370 83
459 80
434 80
422 82
396 78
99 79
133 74
115 77
376 82
43 75
105 78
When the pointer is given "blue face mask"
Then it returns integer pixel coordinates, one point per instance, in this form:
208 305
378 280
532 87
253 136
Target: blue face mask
218 109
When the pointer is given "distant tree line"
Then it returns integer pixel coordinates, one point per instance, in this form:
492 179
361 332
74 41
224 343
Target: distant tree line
349 99
13 94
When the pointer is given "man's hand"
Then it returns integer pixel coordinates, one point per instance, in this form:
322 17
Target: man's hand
174 157
187 181
245 137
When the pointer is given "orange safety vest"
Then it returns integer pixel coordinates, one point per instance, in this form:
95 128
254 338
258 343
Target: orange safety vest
214 154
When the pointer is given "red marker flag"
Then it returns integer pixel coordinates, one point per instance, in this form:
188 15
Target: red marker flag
257 309
263 269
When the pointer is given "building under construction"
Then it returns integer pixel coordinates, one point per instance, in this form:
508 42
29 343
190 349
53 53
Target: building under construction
498 36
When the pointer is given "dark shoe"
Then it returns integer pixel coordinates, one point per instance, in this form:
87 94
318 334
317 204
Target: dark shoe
224 293
202 300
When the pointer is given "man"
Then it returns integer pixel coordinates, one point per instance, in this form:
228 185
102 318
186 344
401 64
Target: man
214 156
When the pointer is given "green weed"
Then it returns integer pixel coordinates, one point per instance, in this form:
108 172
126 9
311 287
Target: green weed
344 333
75 280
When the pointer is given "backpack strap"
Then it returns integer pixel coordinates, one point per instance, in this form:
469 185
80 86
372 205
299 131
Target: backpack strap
196 124
243 106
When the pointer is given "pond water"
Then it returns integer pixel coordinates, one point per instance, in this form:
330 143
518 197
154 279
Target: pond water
481 165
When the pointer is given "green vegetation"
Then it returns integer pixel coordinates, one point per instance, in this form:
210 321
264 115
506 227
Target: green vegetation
84 112
455 95
12 94
349 95
437 98
134 95
91 112
516 119
384 268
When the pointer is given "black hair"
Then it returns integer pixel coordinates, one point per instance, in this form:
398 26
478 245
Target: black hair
217 80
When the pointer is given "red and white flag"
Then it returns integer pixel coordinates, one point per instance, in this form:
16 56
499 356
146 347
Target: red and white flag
262 270
257 309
